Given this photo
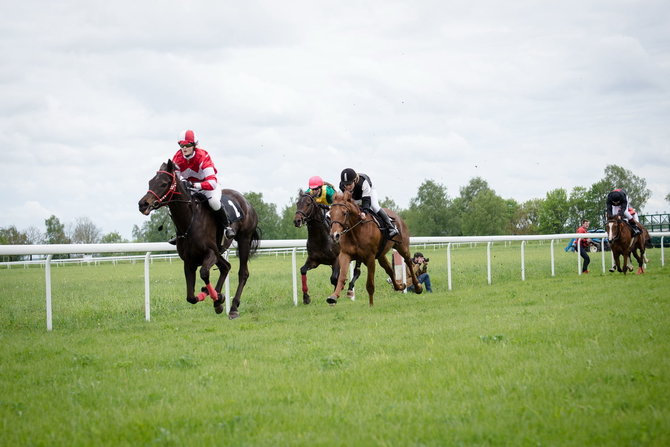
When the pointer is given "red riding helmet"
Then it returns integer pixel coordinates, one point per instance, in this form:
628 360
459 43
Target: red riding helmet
187 137
315 182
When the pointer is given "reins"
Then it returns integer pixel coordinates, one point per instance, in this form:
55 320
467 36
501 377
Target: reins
346 228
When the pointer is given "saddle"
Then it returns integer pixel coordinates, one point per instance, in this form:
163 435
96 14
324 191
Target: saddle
380 224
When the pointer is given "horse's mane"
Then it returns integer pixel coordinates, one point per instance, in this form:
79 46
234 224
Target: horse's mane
345 198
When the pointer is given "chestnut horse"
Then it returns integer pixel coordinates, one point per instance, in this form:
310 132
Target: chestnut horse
198 238
362 240
321 249
624 244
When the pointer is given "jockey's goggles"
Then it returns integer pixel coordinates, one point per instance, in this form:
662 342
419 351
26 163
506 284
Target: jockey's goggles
183 145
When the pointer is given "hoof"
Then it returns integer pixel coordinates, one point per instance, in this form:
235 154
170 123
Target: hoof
218 305
193 300
418 290
351 294
233 314
640 271
332 300
306 299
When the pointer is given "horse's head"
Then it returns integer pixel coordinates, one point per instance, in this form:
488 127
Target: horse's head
306 209
162 187
614 227
344 214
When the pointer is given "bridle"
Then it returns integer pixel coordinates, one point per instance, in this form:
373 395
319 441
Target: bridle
346 228
169 194
168 198
313 212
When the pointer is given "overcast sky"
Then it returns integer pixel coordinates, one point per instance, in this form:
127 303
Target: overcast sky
95 93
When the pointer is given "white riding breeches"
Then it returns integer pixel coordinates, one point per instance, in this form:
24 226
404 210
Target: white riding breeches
213 197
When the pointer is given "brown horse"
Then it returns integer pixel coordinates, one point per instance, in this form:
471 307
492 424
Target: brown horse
197 236
321 249
624 244
361 239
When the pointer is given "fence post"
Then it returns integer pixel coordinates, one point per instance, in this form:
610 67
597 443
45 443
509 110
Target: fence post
449 265
147 294
579 258
351 275
551 249
227 285
47 273
295 279
662 252
602 251
523 261
488 261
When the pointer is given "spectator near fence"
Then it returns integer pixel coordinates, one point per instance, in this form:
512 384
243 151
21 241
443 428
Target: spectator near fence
584 246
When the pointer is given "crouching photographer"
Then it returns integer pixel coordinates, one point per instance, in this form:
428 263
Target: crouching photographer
420 267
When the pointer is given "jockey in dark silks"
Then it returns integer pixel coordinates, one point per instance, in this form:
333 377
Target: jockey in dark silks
365 195
617 204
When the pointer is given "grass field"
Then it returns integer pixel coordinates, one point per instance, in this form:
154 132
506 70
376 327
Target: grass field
564 360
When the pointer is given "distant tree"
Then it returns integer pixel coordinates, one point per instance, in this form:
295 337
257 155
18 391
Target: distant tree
268 219
428 213
512 210
84 231
12 236
112 238
159 227
487 215
35 236
527 220
390 204
287 229
636 187
554 212
460 209
55 231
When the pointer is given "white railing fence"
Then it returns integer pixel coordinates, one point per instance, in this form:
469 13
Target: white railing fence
290 245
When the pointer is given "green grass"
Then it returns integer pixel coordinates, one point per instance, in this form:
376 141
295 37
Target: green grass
564 360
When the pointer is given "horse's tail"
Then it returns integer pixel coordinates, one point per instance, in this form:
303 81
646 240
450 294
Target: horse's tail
255 241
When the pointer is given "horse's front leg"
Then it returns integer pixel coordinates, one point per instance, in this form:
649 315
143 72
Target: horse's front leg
189 274
343 261
309 265
224 269
209 289
357 272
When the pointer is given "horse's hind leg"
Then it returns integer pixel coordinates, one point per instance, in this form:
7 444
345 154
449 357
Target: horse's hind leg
386 265
243 252
403 249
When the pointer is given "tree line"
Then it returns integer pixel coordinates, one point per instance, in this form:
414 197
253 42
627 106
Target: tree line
477 210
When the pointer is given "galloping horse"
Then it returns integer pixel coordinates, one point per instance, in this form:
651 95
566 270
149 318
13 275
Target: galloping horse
321 249
362 240
624 244
198 238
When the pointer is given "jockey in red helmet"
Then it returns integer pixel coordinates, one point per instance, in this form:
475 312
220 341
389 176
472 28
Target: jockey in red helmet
322 192
195 166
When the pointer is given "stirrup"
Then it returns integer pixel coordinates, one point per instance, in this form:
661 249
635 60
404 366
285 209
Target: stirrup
229 232
393 231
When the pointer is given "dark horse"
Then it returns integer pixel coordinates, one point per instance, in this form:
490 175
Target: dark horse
624 244
321 249
362 240
198 238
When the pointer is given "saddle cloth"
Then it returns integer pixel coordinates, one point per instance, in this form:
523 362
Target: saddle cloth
231 209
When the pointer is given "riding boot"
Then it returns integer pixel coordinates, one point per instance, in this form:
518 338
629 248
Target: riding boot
387 222
634 227
222 220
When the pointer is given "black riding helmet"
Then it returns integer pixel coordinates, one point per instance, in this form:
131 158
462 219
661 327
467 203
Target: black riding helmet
348 176
617 196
